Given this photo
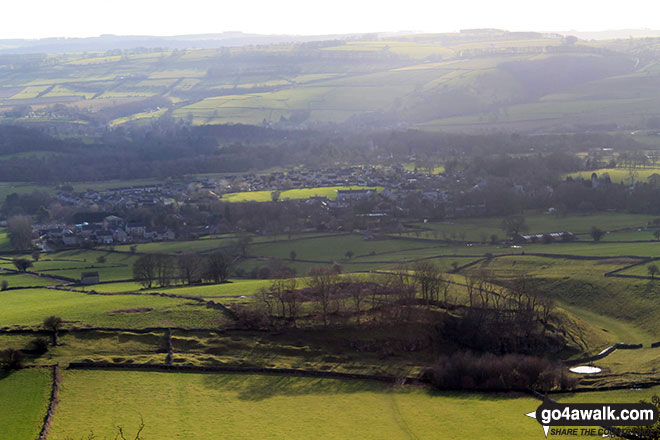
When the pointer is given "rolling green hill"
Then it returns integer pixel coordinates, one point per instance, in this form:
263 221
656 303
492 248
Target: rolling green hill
466 81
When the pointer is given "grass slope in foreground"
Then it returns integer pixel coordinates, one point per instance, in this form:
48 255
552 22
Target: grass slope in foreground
238 406
24 396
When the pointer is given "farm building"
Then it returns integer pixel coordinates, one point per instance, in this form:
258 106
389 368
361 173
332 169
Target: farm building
89 278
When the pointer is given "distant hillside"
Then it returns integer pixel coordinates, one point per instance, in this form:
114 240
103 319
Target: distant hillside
114 42
475 80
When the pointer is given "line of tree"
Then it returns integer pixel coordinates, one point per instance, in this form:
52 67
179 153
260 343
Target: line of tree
190 268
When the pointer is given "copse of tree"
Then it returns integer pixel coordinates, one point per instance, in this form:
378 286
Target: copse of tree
487 372
39 346
144 270
165 269
20 232
190 268
11 359
218 267
149 269
432 284
281 299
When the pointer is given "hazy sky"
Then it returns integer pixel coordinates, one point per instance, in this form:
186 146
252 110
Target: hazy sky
76 18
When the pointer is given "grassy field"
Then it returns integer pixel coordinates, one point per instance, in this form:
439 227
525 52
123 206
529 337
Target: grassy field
334 248
21 417
482 229
28 308
251 406
269 407
620 175
20 280
174 247
291 194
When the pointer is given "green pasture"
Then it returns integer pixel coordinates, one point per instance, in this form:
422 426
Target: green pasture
23 280
602 249
29 307
258 406
251 406
5 244
639 234
24 396
234 288
640 269
481 229
620 175
545 267
626 366
72 263
291 194
100 346
174 247
334 248
633 302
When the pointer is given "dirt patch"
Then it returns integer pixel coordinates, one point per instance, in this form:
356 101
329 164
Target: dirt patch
133 310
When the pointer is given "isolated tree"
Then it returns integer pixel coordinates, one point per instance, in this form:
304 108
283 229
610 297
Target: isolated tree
349 254
22 264
293 255
53 323
596 233
514 225
4 285
653 270
36 255
275 195
133 248
656 234
243 243
144 270
20 232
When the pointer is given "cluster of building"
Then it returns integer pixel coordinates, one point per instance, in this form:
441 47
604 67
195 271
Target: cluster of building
368 176
130 197
111 230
